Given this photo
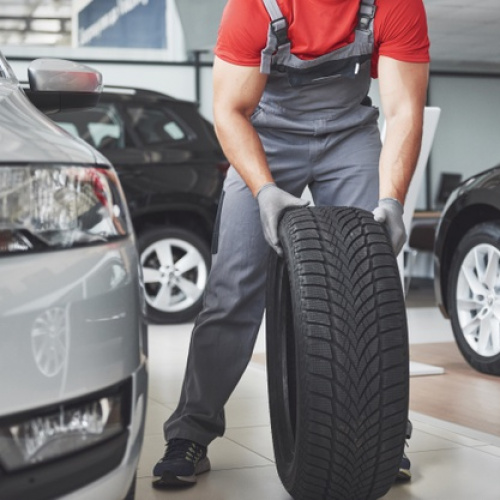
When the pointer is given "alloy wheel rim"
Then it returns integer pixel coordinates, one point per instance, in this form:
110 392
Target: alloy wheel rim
175 274
478 299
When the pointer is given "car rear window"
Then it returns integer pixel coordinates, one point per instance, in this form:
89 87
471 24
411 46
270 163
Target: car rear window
101 126
154 125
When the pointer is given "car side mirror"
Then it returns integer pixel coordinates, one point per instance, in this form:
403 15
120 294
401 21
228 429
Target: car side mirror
59 85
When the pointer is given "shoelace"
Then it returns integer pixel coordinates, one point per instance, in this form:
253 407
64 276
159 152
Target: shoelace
180 448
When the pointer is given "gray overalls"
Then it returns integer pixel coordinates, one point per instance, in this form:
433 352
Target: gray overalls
318 129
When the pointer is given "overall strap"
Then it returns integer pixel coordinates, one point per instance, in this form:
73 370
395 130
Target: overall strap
366 15
278 35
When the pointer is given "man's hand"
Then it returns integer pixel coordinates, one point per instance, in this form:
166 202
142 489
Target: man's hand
390 213
273 201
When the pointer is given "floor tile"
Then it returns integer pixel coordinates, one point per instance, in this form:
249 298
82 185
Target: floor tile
257 439
259 483
156 414
247 412
492 450
423 441
458 474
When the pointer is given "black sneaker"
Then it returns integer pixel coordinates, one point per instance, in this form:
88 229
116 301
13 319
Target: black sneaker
182 462
404 473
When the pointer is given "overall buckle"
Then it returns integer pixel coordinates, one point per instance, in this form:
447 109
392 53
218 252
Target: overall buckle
280 29
366 14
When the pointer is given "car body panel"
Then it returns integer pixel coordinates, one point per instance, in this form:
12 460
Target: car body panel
69 316
476 200
28 135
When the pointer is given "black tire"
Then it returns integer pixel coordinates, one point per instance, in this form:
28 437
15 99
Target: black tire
478 247
161 252
337 356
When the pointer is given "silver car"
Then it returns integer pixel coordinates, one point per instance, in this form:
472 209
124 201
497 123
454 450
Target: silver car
73 377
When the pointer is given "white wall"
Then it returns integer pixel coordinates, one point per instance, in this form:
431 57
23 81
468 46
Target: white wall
468 136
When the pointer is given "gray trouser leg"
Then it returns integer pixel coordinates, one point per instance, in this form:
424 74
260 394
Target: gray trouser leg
225 331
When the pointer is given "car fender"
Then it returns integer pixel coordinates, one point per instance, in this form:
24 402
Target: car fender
476 200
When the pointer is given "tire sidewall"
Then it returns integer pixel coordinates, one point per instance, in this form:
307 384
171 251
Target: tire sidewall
485 233
288 462
150 236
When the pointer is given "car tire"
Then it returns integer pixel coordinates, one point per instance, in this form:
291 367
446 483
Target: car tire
474 297
337 356
175 264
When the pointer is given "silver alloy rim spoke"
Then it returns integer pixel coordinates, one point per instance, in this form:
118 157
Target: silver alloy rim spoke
478 304
474 284
163 297
491 272
163 251
468 304
190 290
495 335
189 261
151 275
484 337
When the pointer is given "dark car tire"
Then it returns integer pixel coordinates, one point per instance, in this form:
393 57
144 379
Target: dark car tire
161 252
337 356
479 246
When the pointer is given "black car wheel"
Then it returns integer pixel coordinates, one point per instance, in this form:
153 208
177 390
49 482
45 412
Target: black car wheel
337 356
175 264
474 297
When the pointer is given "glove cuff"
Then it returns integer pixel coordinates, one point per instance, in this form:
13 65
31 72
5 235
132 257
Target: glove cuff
391 201
264 187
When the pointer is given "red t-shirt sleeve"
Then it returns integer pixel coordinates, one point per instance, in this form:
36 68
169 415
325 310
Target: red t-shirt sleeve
242 32
401 30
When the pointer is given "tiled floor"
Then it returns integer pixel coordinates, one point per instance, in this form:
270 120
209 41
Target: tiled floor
448 462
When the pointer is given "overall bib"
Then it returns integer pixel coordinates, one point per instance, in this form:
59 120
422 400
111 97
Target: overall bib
318 129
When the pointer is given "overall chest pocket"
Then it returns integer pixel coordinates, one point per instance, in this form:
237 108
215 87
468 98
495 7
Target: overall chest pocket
328 70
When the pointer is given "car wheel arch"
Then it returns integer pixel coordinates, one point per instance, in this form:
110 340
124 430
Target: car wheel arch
463 221
188 219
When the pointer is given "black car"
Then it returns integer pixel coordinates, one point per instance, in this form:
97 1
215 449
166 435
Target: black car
171 167
467 268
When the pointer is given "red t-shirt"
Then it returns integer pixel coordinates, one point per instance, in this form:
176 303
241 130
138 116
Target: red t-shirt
317 27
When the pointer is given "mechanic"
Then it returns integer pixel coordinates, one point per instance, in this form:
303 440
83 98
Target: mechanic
291 109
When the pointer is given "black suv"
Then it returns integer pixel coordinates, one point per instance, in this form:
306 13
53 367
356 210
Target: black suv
171 168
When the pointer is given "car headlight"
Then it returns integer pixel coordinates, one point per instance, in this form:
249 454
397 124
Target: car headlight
47 206
52 433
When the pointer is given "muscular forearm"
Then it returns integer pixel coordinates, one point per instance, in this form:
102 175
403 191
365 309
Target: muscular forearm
237 91
403 90
400 154
243 148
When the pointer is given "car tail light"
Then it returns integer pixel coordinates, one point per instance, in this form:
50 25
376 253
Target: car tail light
50 207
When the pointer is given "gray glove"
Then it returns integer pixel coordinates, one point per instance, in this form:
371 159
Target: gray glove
390 212
272 203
